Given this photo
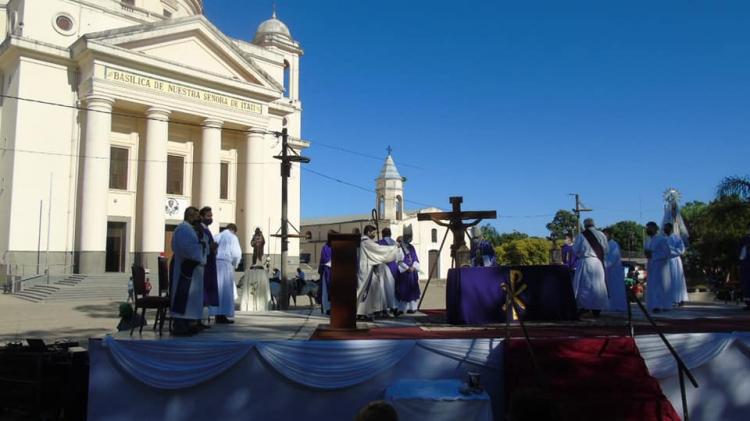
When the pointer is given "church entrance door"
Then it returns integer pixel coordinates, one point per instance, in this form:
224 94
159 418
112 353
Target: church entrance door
433 258
115 253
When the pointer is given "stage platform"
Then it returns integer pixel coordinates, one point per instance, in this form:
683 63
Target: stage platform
271 365
302 324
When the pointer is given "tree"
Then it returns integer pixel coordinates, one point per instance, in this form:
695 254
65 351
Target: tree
507 237
715 230
524 251
629 235
734 186
564 222
490 234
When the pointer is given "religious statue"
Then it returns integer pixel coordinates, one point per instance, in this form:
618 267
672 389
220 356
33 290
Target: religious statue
257 243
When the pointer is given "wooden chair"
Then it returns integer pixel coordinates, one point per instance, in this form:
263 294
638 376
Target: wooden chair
143 301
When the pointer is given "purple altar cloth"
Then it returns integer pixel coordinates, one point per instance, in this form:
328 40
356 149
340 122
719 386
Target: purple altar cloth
474 295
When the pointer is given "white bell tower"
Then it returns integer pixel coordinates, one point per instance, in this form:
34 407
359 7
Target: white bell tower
389 187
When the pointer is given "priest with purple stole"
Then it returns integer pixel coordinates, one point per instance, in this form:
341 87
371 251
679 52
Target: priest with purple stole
589 285
190 250
745 267
392 274
324 270
407 285
569 258
210 275
482 251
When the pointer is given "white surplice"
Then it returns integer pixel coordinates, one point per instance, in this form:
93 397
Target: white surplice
228 257
659 280
372 257
589 285
678 287
615 277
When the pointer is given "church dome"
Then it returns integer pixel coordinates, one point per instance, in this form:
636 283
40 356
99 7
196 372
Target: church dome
272 26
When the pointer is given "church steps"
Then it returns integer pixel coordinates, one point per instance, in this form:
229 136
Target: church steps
95 287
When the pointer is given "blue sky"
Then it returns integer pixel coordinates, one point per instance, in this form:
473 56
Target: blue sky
516 104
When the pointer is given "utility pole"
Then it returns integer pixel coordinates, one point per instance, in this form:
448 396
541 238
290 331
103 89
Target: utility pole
286 159
580 207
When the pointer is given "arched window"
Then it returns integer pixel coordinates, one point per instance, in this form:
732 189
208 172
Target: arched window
399 208
433 235
381 206
286 78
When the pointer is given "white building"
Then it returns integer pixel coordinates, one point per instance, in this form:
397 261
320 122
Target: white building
117 114
389 200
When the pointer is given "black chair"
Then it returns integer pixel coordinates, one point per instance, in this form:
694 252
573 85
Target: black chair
164 286
143 301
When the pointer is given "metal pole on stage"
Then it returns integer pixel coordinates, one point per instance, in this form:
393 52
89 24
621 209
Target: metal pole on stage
286 166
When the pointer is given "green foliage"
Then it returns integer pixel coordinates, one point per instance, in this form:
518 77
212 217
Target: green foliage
497 239
563 223
524 251
734 186
490 234
715 230
629 235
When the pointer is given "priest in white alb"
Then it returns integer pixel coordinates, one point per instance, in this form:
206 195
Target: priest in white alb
589 285
659 281
615 274
372 258
228 257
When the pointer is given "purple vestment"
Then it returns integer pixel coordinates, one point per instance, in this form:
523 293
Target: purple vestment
480 249
569 258
324 270
393 266
407 287
210 279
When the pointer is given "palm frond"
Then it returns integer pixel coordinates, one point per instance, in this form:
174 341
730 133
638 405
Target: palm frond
734 186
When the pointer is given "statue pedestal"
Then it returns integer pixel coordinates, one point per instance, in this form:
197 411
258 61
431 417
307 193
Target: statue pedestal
256 292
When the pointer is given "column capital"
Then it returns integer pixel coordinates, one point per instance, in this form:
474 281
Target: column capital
99 101
256 131
159 113
212 123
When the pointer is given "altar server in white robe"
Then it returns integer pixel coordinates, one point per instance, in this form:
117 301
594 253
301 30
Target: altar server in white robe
659 281
615 274
678 287
372 257
589 285
227 258
190 252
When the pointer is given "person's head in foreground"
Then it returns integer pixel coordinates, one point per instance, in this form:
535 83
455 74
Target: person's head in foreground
377 411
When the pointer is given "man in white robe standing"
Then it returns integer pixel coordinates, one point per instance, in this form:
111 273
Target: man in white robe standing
228 257
658 283
678 286
615 274
190 249
372 257
589 285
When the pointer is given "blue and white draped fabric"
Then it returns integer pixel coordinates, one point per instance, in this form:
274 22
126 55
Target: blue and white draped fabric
175 364
695 349
328 364
484 352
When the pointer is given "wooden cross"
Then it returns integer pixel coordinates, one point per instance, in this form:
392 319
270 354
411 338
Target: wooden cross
454 220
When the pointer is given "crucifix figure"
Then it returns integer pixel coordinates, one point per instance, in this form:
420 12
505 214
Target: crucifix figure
454 220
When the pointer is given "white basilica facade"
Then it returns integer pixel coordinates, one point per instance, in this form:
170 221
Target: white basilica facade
116 115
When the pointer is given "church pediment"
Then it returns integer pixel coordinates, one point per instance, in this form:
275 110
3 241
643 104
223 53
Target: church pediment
193 43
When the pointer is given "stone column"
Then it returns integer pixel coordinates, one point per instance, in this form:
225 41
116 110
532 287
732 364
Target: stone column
251 202
154 187
92 215
209 188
